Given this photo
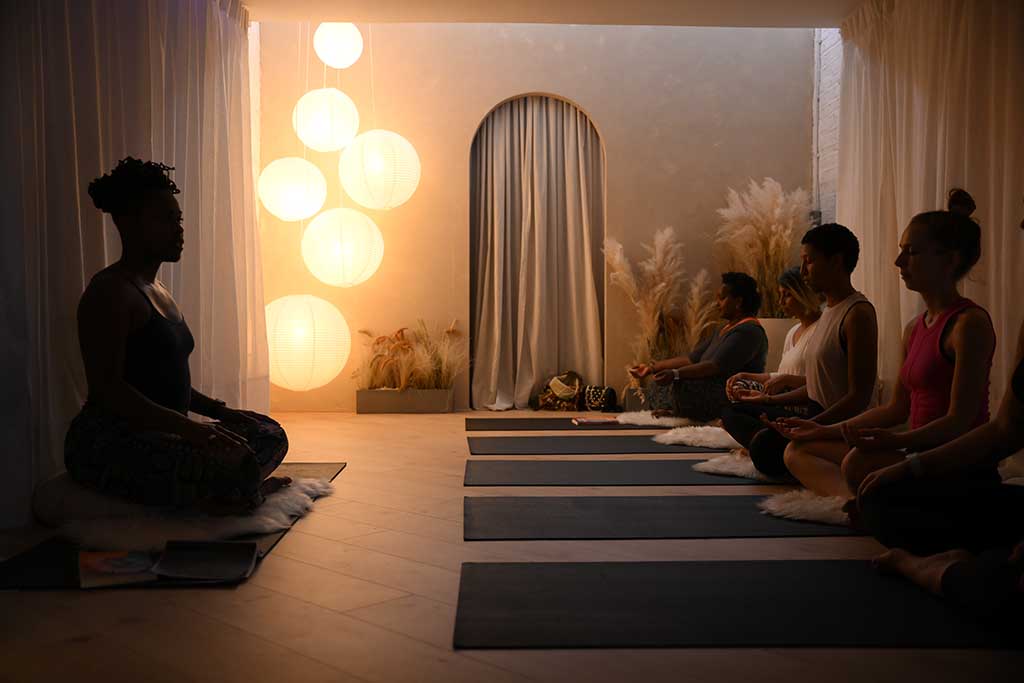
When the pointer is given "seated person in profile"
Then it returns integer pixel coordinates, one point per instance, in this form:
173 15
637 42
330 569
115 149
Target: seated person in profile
738 345
756 394
133 437
953 527
841 358
944 380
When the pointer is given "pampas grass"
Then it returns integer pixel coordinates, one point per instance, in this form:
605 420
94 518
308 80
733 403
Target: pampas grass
757 235
672 313
419 359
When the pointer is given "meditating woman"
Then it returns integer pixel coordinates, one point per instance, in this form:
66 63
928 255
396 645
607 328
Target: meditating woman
841 354
954 528
738 345
756 394
133 437
944 381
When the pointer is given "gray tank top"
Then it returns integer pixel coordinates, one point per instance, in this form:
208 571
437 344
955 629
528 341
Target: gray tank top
827 378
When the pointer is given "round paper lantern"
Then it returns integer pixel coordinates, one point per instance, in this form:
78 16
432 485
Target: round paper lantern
325 119
292 188
342 247
309 342
338 44
379 169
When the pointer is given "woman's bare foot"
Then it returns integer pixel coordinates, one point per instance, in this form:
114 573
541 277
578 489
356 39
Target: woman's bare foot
926 572
271 484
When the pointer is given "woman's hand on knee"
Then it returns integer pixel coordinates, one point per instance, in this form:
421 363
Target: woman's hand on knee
887 476
213 436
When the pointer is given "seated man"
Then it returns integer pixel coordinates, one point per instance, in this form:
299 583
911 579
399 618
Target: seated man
133 437
739 345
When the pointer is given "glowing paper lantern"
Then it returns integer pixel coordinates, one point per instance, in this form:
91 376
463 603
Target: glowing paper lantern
325 119
342 247
338 44
292 188
309 342
379 169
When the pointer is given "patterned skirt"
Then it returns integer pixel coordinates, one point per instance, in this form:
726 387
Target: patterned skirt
103 453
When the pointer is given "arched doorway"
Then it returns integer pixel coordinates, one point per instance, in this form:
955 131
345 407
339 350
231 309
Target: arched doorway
537 179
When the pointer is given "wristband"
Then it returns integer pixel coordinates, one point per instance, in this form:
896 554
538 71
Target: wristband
914 461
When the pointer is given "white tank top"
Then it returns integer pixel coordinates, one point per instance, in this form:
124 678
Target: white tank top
794 353
827 378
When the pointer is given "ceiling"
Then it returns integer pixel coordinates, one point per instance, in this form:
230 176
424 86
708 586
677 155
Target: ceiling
752 13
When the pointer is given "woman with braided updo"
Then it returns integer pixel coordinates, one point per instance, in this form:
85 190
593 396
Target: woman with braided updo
133 437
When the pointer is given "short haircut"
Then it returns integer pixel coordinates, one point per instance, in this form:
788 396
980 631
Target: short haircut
745 287
125 188
831 239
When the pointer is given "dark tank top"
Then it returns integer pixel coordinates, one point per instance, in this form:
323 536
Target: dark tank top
1017 383
156 360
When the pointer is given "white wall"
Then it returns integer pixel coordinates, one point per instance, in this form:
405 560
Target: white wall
828 68
684 113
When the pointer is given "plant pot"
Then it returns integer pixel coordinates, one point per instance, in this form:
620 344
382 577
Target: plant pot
776 329
404 401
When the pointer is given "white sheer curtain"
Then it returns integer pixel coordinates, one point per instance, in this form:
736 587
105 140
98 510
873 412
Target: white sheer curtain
933 98
536 229
86 83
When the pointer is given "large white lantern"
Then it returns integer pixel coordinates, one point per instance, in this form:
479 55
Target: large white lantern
325 119
379 169
342 247
292 188
338 44
309 342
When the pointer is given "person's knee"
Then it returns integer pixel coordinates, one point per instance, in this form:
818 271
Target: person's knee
766 452
792 455
854 469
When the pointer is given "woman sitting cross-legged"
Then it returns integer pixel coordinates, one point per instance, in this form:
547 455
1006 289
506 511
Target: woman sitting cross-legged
944 380
757 394
841 357
133 437
739 345
952 526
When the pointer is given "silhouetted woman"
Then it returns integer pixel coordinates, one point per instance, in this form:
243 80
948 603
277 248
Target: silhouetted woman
133 438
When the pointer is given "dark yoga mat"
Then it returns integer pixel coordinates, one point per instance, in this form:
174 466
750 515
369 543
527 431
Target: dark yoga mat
810 603
594 473
576 445
537 518
54 562
522 424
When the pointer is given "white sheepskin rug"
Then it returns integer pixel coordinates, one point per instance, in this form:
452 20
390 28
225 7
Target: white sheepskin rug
708 437
646 419
734 464
806 505
152 530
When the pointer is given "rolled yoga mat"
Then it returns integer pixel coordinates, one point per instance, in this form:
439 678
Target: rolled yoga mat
542 518
594 473
576 445
508 424
808 603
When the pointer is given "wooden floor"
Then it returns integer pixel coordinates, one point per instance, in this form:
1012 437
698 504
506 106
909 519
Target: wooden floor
365 587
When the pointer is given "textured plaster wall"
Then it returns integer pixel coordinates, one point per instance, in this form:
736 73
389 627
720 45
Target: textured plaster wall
684 114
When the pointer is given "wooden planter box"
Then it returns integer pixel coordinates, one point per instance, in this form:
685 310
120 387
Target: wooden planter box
407 401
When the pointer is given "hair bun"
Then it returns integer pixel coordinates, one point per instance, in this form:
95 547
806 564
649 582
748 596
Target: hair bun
960 202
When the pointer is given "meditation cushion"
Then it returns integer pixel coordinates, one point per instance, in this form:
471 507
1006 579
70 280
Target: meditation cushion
61 499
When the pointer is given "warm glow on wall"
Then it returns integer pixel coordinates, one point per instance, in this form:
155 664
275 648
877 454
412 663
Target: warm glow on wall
379 169
292 188
325 119
338 44
309 342
342 247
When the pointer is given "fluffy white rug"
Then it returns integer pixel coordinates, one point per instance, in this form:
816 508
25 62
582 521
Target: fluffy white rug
806 505
734 464
708 437
645 418
150 532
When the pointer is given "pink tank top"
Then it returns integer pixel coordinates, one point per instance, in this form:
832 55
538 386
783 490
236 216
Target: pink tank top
928 375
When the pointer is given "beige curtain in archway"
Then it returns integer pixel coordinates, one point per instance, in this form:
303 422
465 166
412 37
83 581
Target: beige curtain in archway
536 229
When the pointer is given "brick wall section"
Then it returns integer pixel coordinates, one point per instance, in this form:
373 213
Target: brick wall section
828 67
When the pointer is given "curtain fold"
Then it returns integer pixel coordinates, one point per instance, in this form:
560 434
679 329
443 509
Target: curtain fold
90 82
536 229
933 98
